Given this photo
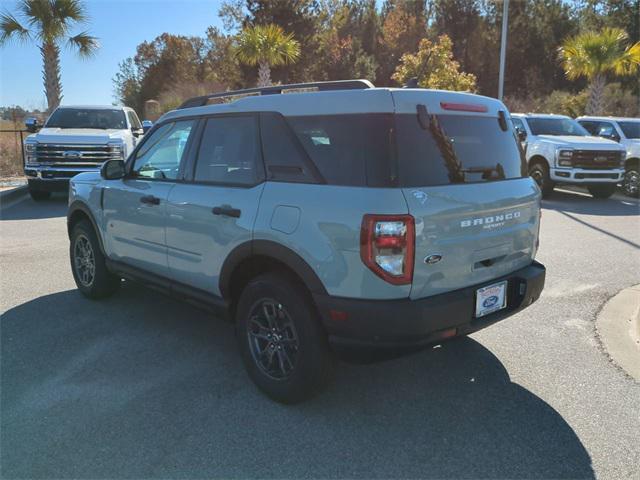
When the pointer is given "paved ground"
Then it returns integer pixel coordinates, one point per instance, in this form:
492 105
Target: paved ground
141 386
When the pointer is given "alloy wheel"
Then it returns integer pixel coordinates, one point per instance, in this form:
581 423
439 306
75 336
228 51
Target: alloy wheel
84 260
631 182
273 340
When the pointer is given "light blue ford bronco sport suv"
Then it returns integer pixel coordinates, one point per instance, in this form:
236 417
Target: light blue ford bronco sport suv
336 215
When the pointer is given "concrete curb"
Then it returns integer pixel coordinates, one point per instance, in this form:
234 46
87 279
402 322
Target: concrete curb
7 196
618 326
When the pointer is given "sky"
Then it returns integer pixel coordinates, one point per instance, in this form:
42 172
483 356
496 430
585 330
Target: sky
120 26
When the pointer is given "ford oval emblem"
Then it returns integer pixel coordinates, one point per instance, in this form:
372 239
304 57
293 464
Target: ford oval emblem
490 301
431 259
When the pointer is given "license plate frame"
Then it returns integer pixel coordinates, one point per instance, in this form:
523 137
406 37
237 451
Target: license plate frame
491 298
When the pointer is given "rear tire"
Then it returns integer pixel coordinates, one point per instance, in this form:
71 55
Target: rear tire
631 181
540 173
39 195
281 340
602 191
90 272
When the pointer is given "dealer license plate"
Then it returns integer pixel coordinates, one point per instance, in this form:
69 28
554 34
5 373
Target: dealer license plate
491 298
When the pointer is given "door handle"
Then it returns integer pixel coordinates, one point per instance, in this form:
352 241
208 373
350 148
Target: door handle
150 200
227 211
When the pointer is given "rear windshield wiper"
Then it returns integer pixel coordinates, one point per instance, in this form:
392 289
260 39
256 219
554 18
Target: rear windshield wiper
487 172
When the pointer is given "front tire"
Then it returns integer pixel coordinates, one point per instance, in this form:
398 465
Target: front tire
90 272
631 181
540 173
39 195
602 191
282 343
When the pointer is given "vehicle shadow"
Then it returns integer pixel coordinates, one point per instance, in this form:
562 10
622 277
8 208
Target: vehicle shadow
578 202
28 209
142 386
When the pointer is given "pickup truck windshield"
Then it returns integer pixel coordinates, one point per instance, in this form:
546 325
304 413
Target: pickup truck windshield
556 126
87 118
630 129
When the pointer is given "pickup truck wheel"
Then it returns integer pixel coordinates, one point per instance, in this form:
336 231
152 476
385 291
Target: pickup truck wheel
540 173
282 343
602 191
88 263
631 181
39 195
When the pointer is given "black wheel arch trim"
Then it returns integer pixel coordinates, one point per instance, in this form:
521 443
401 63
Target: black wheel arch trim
80 206
275 251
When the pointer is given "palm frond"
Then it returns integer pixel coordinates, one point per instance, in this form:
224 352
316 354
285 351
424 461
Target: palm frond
596 53
85 44
69 11
266 43
11 28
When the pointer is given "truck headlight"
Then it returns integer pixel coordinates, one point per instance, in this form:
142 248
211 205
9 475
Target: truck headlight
30 152
116 151
564 157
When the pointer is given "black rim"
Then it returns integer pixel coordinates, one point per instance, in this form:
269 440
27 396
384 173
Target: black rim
273 339
631 182
84 260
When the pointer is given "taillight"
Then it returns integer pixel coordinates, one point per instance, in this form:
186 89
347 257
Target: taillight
387 246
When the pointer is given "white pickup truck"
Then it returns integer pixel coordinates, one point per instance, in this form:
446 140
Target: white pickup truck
559 150
76 139
625 131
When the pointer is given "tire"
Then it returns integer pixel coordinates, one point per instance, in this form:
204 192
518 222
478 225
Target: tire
282 343
39 195
88 263
540 173
602 191
631 181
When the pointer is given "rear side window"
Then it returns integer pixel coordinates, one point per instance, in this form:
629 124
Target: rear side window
455 149
351 150
284 158
229 151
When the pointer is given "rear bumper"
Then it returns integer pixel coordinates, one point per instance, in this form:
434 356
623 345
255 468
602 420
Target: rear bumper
405 322
586 176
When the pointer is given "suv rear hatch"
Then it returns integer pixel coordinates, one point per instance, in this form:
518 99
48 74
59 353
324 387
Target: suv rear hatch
464 178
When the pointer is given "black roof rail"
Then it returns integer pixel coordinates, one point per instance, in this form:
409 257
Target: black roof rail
278 89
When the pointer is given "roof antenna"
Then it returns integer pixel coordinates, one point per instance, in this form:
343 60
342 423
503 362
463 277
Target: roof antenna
411 83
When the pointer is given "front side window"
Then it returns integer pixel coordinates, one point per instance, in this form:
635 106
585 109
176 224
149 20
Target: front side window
160 156
591 127
229 151
518 125
455 149
630 129
133 120
99 118
556 126
607 130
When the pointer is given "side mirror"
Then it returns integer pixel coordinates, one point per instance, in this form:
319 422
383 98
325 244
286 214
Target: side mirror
146 126
32 124
137 132
522 135
112 170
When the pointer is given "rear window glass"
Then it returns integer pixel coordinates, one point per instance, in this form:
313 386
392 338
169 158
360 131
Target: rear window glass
348 149
455 149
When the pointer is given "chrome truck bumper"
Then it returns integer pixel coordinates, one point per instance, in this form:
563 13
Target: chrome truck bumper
53 179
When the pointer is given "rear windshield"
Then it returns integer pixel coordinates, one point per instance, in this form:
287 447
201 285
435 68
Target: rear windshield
102 118
455 149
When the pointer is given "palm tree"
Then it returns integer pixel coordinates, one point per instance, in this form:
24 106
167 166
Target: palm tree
266 46
594 55
48 23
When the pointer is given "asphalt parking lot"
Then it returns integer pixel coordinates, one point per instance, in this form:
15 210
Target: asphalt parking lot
142 386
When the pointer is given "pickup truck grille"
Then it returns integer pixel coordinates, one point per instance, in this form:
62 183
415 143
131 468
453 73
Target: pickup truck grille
73 155
596 159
